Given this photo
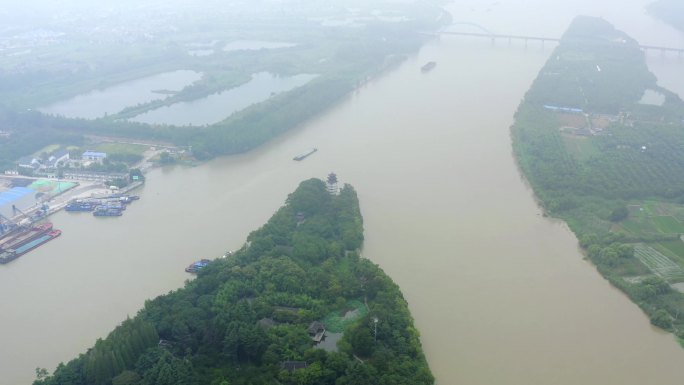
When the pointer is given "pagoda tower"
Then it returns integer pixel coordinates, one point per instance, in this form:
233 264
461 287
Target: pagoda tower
332 184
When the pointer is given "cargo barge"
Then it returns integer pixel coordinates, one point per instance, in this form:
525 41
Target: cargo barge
305 154
80 206
28 244
25 235
104 211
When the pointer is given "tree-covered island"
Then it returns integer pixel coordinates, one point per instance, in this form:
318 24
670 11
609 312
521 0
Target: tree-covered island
601 144
254 317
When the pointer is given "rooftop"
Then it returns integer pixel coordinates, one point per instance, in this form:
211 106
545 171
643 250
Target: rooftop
13 194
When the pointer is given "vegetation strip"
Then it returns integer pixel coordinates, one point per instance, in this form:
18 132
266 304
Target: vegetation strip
609 165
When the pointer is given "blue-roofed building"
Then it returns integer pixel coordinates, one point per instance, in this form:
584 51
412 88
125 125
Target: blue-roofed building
94 156
21 197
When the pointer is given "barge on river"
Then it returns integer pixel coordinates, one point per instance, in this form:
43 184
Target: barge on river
305 154
18 244
428 66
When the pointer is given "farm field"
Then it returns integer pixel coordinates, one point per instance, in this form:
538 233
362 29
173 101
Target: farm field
653 217
659 264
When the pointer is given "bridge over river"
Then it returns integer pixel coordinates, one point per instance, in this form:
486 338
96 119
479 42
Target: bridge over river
526 39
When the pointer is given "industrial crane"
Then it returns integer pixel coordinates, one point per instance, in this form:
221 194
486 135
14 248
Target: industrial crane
37 216
6 225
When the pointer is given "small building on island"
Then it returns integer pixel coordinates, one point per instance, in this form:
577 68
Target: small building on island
316 331
291 366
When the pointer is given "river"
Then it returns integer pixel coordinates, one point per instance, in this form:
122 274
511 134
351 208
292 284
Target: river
500 293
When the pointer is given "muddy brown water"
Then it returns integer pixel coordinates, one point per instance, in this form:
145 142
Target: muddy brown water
500 293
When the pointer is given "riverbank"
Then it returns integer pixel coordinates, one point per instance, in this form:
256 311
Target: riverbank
76 190
339 57
608 164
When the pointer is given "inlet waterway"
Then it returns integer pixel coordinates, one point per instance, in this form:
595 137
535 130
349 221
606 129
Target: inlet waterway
500 293
216 107
99 103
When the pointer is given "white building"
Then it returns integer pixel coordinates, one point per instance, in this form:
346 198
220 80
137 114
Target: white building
59 157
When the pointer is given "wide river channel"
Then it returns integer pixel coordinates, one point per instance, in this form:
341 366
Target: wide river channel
501 294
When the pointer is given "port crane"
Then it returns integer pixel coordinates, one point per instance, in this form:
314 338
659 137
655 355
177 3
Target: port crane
6 225
31 218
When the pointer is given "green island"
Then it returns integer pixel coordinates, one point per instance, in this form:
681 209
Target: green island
248 318
343 44
601 145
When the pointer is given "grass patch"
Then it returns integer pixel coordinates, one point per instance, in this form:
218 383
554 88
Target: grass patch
640 225
631 267
652 208
50 148
122 148
669 225
673 250
338 321
581 148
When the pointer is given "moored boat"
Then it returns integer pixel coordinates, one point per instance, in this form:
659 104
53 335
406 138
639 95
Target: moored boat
104 211
197 266
80 206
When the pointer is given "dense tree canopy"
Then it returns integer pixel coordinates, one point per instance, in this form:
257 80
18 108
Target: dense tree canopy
299 267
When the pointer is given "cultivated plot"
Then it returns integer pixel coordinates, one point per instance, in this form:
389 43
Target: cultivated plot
659 264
